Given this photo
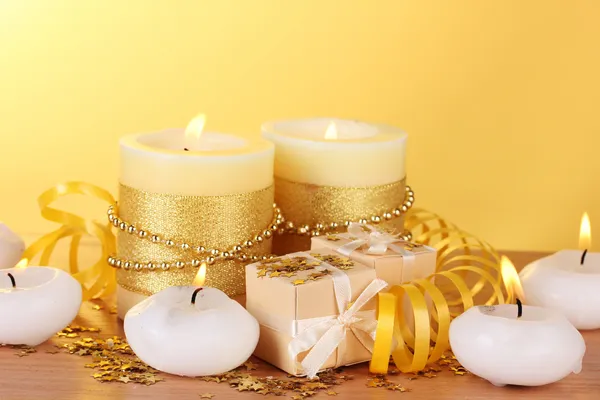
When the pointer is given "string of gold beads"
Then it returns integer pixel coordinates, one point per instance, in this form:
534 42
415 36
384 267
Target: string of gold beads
323 228
127 265
165 266
237 249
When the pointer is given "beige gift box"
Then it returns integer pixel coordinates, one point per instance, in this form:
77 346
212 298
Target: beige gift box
296 295
399 262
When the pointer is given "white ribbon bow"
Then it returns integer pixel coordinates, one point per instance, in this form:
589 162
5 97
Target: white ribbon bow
377 241
322 336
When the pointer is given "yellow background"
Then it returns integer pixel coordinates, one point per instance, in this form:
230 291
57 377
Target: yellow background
500 98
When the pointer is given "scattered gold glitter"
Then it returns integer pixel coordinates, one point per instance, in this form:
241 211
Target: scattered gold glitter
24 350
381 381
207 396
111 358
241 381
288 267
341 262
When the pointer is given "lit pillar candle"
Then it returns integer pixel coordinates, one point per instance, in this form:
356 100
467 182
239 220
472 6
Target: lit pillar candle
329 171
182 189
568 282
191 331
512 344
11 247
35 303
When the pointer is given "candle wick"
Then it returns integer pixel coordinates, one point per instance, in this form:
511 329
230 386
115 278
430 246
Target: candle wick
12 280
519 309
583 256
186 149
195 294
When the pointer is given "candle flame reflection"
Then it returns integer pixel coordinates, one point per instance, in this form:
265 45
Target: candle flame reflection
585 233
512 283
331 132
200 276
22 264
194 129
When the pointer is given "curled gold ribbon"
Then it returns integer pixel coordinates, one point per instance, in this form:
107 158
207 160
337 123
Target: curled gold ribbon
96 280
434 301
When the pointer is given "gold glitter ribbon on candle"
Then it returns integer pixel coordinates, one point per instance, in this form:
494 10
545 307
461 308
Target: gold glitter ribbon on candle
307 204
213 221
96 280
465 267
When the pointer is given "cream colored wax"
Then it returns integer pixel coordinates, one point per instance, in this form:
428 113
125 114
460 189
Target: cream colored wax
361 155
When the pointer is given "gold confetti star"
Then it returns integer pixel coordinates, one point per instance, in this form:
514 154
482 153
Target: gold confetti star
298 282
250 366
207 396
331 393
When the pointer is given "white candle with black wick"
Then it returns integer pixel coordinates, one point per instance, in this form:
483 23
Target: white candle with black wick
191 331
516 344
568 282
35 303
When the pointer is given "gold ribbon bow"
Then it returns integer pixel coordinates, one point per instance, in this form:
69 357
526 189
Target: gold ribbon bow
98 279
323 335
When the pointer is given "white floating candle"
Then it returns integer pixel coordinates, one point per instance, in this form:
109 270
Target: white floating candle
516 345
191 331
35 303
568 282
11 247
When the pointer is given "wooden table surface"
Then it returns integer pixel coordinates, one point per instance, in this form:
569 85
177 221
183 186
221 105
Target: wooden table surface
42 375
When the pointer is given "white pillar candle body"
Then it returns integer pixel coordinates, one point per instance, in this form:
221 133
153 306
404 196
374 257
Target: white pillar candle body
216 164
11 247
44 301
212 336
539 348
560 282
362 155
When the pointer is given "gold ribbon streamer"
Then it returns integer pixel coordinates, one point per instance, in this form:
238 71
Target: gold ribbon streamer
465 267
307 204
98 279
213 221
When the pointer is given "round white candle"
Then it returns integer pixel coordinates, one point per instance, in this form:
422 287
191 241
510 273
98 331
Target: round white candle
212 336
361 155
560 282
539 348
43 301
11 247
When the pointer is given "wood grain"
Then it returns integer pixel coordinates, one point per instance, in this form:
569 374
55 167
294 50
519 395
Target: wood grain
63 376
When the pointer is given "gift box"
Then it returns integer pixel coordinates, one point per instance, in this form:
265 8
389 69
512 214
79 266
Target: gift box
394 260
316 310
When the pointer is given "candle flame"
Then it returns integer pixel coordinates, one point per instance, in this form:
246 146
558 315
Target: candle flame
200 276
585 233
194 129
331 132
22 264
512 283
